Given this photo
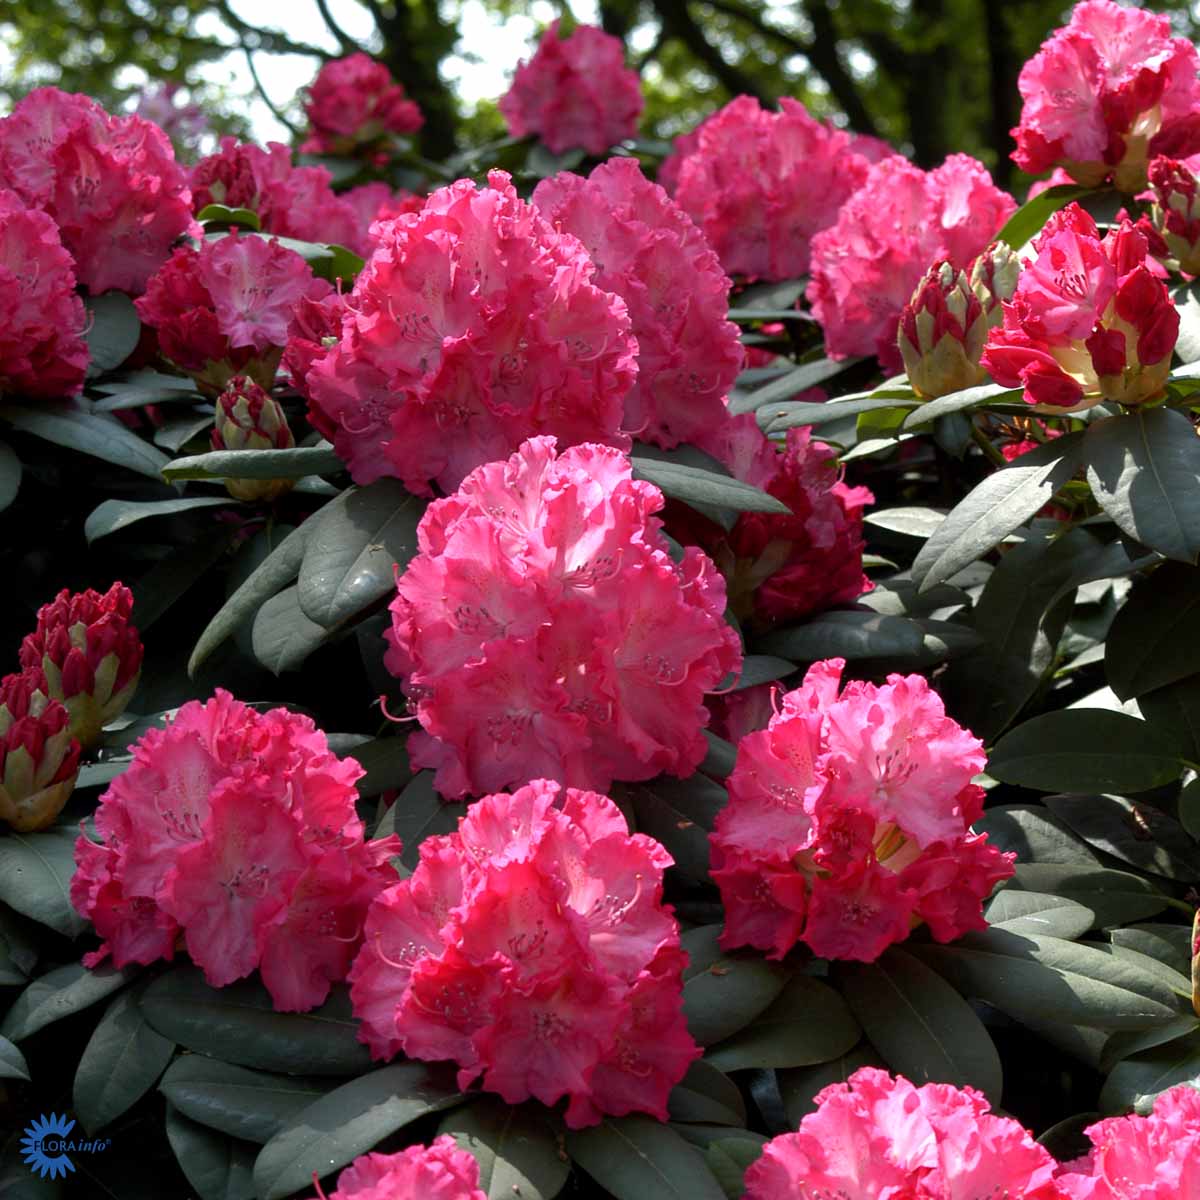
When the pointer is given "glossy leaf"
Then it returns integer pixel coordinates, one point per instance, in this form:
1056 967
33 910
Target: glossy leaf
695 486
35 877
282 636
111 516
98 434
114 329
516 1149
1150 643
218 1167
61 993
723 993
255 464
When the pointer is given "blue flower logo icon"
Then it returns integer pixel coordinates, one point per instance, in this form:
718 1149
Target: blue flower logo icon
42 1146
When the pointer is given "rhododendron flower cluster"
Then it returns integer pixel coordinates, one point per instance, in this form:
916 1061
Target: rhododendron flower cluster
39 757
649 253
42 351
1173 230
354 104
575 92
439 1171
111 184
779 567
249 418
849 822
544 630
874 1137
183 123
291 201
1088 322
1105 94
532 947
1155 1157
867 263
473 326
944 326
761 184
224 309
238 831
88 654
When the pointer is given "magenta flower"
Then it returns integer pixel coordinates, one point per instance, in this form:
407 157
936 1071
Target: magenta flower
544 630
1105 94
649 253
575 92
354 103
849 821
439 1171
533 948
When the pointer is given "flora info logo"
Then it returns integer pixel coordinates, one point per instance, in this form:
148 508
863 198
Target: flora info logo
48 1145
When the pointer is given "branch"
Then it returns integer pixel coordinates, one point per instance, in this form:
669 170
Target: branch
276 111
348 44
268 40
678 23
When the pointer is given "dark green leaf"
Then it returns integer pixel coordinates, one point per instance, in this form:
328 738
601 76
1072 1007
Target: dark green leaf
1029 976
808 1022
1034 835
680 814
799 1087
762 668
1032 912
1124 1045
255 464
1033 214
1175 711
353 550
1116 897
10 475
239 1024
114 329
984 396
721 993
847 635
113 515
1150 643
1144 470
385 761
695 486
805 376
156 592
218 1167
634 1158
1189 809
1139 834
276 571
18 948
729 1159
921 1026
12 1061
251 1105
97 434
60 993
1085 749
123 1059
708 1096
220 214
915 522
1135 1082
347 1122
35 877
995 507
517 1152
419 812
282 636
788 416
1170 944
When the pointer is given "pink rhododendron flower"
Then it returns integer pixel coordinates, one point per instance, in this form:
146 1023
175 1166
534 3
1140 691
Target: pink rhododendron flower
315 326
473 326
649 253
224 309
42 350
575 92
183 123
291 201
439 1171
544 630
371 202
780 567
1088 321
849 822
354 104
237 831
1155 1157
533 948
866 265
683 146
761 184
111 184
89 654
1056 178
1105 94
1173 230
39 756
874 1137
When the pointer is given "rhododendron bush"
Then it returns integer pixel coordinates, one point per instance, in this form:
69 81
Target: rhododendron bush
605 669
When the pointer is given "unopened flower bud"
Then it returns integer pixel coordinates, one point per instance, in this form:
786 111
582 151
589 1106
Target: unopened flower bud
1175 213
249 418
994 279
89 654
39 759
942 332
